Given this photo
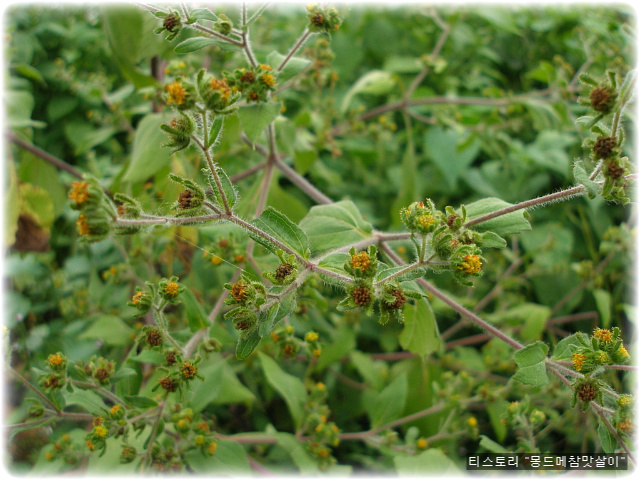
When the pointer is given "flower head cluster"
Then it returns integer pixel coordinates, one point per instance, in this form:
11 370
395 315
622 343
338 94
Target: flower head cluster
286 272
87 196
247 295
172 23
322 20
170 290
604 347
253 83
605 98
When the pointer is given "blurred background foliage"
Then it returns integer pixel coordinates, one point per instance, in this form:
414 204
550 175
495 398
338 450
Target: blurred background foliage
82 85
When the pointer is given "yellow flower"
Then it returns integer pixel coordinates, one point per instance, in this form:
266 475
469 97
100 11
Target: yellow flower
137 297
216 260
172 289
79 193
472 422
265 67
578 360
360 260
320 386
268 80
82 225
55 360
212 448
221 86
100 431
177 94
603 334
623 351
426 220
422 444
470 264
115 409
311 337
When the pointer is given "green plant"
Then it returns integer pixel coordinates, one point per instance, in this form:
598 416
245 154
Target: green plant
250 146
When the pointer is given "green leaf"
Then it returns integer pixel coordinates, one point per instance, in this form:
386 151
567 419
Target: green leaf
282 229
88 400
491 240
84 136
18 107
290 388
389 404
193 44
196 315
307 464
335 225
230 459
215 131
247 344
496 410
420 334
137 401
343 342
607 440
582 177
148 156
294 66
491 446
37 202
430 462
603 302
334 263
375 82
12 210
532 369
124 372
206 392
127 48
111 329
276 313
385 272
532 316
202 14
450 152
565 348
510 223
230 192
255 118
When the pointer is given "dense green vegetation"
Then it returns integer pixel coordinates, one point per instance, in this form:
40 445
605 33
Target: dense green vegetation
254 239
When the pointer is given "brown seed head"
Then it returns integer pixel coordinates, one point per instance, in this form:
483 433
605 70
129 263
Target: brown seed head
171 22
154 338
168 384
188 370
102 375
600 98
284 271
239 291
604 146
400 300
361 296
587 392
614 170
184 200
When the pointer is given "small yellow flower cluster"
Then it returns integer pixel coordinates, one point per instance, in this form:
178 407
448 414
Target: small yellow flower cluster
578 360
360 260
172 289
177 94
470 264
603 334
79 192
